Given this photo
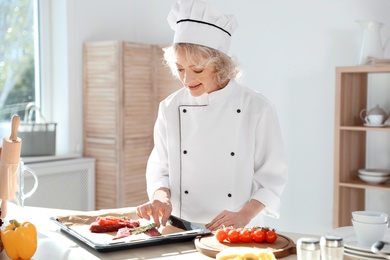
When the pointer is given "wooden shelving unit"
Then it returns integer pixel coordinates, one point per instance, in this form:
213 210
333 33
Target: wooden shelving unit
350 141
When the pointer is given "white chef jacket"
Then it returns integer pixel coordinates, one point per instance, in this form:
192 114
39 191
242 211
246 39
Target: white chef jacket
216 152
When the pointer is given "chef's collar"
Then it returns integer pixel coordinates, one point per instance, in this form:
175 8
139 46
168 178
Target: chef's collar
216 96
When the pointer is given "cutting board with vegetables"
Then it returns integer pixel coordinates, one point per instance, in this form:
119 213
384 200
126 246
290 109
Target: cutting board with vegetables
209 245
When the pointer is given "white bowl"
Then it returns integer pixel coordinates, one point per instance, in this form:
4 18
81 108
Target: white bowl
374 217
373 179
374 172
367 233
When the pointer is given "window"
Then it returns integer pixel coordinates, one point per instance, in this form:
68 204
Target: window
19 77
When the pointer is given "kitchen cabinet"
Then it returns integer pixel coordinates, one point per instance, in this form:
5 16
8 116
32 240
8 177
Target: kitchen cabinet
350 139
123 85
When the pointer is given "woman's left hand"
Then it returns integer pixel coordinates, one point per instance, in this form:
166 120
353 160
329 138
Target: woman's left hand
236 219
228 219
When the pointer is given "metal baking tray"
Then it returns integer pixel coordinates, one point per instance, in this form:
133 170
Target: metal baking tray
191 231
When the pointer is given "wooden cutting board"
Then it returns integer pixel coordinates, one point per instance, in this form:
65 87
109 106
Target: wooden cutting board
209 246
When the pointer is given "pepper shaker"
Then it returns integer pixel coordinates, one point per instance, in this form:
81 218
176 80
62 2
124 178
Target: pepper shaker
332 247
308 248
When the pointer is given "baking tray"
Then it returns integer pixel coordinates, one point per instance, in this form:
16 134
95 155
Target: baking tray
189 231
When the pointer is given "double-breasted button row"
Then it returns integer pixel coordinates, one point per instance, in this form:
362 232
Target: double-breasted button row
229 194
238 110
185 152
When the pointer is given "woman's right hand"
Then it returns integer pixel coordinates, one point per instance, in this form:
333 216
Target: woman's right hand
159 209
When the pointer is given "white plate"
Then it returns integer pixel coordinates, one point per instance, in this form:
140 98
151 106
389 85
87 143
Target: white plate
350 241
347 233
360 253
354 246
374 172
374 179
373 125
360 256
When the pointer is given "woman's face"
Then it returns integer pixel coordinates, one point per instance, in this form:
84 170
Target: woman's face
198 80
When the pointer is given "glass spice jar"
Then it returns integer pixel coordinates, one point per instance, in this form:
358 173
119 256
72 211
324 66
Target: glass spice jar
308 248
332 247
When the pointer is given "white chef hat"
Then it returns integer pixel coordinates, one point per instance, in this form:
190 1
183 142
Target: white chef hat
197 22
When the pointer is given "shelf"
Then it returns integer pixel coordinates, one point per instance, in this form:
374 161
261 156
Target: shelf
358 184
378 68
364 128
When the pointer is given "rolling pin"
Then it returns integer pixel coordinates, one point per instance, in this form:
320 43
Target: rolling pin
10 156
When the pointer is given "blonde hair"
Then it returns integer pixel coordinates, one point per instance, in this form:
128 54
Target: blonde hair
226 68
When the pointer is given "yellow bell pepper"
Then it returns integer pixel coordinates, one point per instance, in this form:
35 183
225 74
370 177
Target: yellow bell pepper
20 240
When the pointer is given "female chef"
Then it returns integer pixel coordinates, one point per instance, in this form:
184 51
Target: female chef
218 157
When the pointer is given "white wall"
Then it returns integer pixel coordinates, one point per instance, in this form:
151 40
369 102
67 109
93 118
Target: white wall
289 51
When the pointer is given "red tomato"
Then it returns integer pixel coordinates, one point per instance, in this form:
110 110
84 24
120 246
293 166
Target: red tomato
258 236
234 236
221 235
271 236
245 236
227 229
107 221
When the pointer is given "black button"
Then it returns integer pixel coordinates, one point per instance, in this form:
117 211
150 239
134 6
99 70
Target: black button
185 151
186 192
238 110
232 153
229 195
184 110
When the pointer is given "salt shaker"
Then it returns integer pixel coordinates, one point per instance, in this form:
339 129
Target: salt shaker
308 249
332 247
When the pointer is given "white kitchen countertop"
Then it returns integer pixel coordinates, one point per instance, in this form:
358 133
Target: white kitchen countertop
54 244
